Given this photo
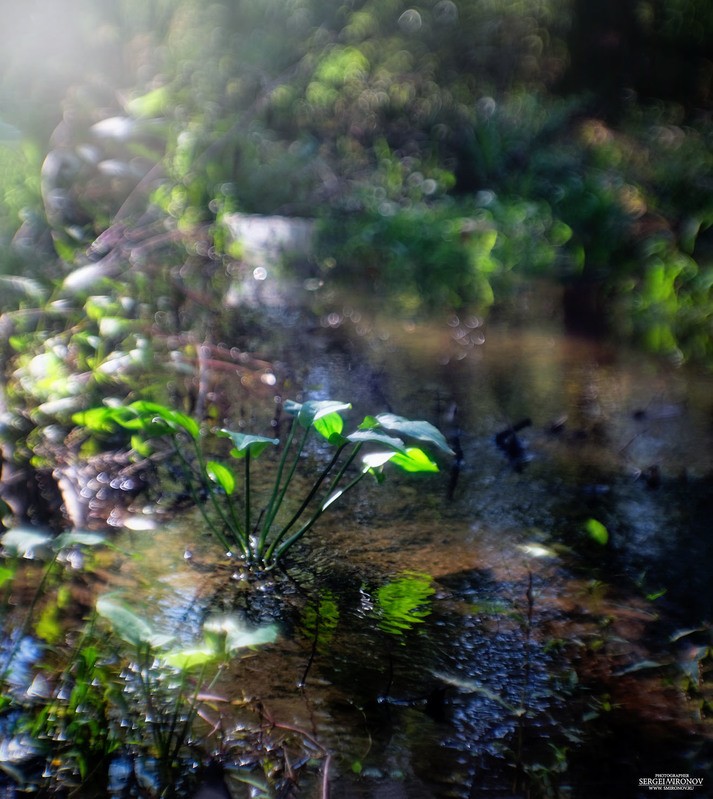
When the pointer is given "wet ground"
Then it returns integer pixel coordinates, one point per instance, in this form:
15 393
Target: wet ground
509 627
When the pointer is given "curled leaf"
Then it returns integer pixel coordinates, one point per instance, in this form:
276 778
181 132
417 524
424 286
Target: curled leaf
313 410
221 475
414 460
423 431
330 425
244 443
127 625
369 436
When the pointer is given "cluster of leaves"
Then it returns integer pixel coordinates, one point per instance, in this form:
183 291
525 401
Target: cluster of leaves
117 687
449 255
262 538
443 125
122 690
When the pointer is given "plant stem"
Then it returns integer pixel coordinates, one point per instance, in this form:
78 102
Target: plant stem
246 498
312 492
274 504
275 552
143 662
173 750
192 709
28 618
239 537
335 482
196 499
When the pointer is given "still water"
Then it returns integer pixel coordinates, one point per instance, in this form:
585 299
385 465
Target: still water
509 627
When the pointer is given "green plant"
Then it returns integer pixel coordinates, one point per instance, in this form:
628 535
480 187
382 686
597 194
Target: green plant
118 687
263 539
162 686
404 602
78 727
695 664
21 542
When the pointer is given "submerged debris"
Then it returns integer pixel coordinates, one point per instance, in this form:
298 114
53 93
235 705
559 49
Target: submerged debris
510 443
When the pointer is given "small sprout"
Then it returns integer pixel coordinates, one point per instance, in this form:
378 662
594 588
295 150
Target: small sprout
597 531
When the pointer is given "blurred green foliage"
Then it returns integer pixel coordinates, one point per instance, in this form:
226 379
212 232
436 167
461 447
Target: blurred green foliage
447 147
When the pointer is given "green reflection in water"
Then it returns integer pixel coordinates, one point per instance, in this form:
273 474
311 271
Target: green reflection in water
404 602
320 620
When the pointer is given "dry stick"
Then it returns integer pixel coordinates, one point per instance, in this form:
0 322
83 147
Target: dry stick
317 745
311 739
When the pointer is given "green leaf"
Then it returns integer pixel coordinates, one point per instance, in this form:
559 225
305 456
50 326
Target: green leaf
20 343
654 595
245 443
175 419
27 542
185 659
48 626
152 104
98 306
330 425
423 431
221 475
225 634
140 446
313 410
77 538
96 420
414 460
597 531
369 423
127 625
136 417
374 437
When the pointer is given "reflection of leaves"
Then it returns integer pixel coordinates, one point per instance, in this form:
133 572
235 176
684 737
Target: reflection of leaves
490 607
404 602
49 624
223 637
226 634
127 625
320 619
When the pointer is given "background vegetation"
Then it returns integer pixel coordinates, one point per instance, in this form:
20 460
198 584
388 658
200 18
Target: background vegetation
447 147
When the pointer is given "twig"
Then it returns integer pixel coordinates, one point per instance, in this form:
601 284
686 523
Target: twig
308 737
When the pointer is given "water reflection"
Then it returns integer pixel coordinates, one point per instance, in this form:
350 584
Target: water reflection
614 437
457 637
